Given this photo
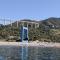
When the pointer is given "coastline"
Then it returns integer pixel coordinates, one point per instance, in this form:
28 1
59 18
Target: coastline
39 44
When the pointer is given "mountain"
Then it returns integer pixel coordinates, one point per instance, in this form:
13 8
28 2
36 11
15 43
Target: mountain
51 21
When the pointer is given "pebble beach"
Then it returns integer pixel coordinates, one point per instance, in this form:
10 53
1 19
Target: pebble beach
40 44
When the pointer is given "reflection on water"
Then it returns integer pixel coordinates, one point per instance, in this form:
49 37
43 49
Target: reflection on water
33 53
24 53
39 53
1 58
10 53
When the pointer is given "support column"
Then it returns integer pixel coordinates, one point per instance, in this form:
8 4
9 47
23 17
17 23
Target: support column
35 25
31 25
38 24
17 24
27 25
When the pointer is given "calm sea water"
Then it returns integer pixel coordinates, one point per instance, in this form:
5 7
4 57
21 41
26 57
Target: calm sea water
32 53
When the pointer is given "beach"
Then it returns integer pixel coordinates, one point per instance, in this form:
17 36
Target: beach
40 44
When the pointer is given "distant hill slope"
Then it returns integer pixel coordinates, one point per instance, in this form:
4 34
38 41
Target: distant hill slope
46 22
51 21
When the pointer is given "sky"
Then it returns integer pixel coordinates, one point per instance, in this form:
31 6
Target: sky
29 9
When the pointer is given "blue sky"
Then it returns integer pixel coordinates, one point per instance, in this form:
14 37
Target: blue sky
29 9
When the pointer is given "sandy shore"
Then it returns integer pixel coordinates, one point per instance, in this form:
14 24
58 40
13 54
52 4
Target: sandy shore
40 44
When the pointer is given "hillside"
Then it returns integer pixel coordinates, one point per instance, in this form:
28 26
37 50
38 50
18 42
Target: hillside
47 22
48 30
51 21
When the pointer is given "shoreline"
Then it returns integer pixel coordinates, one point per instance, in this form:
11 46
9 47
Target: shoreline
39 44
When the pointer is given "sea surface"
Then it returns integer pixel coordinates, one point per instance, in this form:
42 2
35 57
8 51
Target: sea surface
29 53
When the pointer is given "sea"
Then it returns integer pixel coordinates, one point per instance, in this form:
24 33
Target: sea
29 53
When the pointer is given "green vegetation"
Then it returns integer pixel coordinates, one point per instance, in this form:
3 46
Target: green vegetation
48 31
50 35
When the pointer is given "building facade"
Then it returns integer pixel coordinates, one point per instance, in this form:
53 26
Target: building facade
29 24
